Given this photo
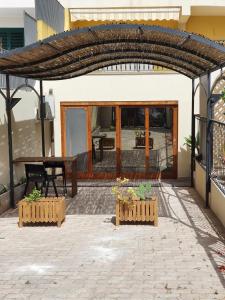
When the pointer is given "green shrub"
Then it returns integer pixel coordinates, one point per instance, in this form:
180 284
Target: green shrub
35 195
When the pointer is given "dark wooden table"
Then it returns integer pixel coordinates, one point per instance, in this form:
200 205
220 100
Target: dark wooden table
37 159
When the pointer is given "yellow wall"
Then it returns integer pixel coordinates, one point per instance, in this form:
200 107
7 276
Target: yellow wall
44 30
164 23
209 26
67 19
212 27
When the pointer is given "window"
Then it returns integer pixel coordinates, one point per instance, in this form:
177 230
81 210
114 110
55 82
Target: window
11 38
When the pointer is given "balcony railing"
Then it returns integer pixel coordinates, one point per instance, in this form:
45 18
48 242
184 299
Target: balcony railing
132 68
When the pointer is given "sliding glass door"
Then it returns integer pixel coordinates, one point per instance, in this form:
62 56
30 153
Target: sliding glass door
138 141
103 140
132 140
76 136
161 156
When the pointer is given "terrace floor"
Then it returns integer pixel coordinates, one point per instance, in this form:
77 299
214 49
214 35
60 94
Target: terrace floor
90 258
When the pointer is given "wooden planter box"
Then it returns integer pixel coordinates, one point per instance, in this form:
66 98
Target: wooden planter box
47 210
140 211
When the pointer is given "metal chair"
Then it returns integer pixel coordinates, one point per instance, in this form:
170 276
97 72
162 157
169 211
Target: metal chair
54 165
37 174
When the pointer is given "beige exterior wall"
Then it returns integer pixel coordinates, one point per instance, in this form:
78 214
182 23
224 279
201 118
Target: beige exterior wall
200 179
217 198
26 134
152 87
217 202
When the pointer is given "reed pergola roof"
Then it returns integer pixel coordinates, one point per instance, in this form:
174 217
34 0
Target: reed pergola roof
81 51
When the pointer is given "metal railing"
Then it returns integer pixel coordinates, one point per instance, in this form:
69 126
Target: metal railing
132 68
217 172
218 154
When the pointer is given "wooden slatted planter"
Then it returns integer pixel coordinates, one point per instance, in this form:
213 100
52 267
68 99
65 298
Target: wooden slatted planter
139 211
46 210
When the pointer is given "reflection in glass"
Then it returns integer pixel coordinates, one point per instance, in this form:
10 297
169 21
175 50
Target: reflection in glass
132 140
103 139
161 139
76 136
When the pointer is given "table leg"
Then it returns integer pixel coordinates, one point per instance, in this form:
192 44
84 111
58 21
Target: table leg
101 149
74 178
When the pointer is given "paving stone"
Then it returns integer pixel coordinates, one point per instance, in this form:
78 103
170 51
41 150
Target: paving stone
89 258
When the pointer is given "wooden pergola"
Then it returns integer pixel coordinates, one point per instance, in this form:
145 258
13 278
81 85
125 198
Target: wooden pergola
78 52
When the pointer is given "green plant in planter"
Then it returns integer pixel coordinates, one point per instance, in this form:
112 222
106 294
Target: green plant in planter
3 189
188 142
129 194
143 191
122 193
35 195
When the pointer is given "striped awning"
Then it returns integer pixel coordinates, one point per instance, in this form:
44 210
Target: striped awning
125 14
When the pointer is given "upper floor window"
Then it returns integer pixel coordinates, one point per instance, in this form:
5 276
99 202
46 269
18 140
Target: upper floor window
11 38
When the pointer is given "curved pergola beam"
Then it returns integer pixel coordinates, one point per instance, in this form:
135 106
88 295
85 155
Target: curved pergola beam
89 46
189 51
109 51
27 86
120 61
219 77
198 86
86 63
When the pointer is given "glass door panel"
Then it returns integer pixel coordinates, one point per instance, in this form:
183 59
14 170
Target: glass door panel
160 139
103 135
76 136
132 140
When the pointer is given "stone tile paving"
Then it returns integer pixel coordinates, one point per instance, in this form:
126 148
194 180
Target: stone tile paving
90 258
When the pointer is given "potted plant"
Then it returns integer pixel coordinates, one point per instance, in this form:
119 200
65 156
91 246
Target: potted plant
188 143
36 209
135 204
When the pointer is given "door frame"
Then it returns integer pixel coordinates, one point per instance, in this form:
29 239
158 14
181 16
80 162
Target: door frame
118 104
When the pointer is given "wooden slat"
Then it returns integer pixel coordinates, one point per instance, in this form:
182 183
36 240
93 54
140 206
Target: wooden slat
156 212
33 210
152 210
138 211
143 211
54 218
24 212
147 210
126 212
135 211
130 214
121 212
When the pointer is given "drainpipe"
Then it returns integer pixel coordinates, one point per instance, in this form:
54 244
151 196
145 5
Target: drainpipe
42 116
